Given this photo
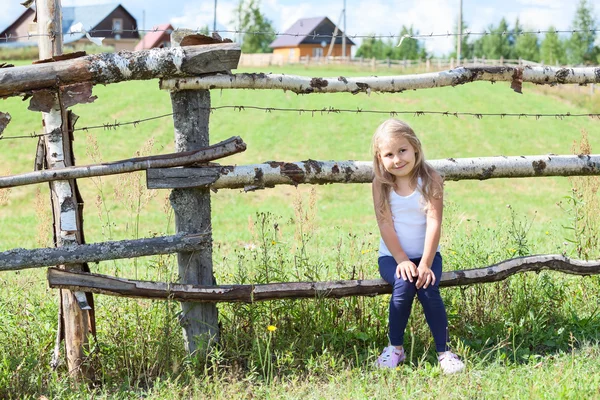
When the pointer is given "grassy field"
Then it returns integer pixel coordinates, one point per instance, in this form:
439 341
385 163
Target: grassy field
526 334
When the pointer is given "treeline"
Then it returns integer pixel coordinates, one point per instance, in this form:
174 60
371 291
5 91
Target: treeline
505 42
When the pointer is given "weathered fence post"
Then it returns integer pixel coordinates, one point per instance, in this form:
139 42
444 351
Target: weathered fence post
76 318
191 111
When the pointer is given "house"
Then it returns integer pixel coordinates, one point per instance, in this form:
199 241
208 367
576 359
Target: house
305 38
111 21
159 36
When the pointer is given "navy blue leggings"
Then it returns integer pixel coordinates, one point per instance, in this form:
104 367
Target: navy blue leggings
403 294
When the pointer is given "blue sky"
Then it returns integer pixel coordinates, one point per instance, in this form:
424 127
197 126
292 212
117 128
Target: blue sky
363 16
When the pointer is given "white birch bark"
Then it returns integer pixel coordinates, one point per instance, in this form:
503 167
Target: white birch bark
392 84
260 176
121 66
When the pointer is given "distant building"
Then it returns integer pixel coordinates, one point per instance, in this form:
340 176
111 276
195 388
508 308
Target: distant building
306 38
159 36
111 21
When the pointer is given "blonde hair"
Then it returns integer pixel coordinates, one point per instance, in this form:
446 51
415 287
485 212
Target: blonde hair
429 188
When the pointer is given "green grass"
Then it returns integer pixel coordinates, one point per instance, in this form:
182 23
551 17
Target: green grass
504 330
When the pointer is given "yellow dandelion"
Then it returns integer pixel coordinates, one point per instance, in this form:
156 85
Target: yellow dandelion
273 242
547 233
271 328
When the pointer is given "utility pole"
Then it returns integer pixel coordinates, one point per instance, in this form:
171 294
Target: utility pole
459 43
344 35
215 18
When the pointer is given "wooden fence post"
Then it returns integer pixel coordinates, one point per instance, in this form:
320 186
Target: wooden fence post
76 318
193 214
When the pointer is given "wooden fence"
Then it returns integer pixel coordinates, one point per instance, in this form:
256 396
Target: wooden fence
429 64
189 70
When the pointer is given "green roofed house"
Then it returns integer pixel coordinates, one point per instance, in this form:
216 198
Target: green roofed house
110 21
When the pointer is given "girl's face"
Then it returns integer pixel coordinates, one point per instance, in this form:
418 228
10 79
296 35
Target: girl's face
397 156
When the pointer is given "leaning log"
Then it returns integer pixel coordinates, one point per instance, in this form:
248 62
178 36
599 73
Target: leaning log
222 149
122 66
260 176
17 259
390 84
294 290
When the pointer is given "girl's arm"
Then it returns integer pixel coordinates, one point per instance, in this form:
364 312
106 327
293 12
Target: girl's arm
405 268
434 224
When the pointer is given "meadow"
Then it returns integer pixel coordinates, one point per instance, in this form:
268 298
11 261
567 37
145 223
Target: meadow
533 336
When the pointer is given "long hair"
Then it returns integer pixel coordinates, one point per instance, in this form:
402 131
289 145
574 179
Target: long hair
429 188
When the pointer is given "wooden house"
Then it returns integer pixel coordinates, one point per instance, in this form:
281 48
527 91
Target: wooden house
306 38
159 36
110 21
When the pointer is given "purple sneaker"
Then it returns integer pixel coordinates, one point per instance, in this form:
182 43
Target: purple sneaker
390 357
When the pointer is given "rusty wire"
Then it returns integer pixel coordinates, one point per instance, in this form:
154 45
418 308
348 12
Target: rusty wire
314 35
327 111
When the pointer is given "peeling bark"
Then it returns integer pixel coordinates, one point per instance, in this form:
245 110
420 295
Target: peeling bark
4 121
122 66
391 84
17 259
294 290
223 149
260 176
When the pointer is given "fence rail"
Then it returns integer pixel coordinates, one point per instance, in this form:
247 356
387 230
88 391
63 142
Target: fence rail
389 84
260 176
17 259
103 284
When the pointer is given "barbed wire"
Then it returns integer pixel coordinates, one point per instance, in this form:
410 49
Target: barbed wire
314 35
326 111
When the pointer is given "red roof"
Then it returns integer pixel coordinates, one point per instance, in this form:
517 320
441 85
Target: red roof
154 38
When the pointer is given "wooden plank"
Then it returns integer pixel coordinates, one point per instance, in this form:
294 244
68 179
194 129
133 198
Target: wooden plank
225 148
260 176
296 290
17 259
121 66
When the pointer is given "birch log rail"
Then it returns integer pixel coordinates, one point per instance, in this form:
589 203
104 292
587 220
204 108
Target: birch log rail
392 84
260 176
293 290
17 259
222 149
122 66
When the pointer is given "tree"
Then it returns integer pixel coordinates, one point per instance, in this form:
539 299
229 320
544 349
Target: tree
552 50
249 20
580 48
496 44
371 47
525 45
513 37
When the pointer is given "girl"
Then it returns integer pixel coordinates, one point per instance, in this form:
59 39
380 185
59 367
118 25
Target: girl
408 200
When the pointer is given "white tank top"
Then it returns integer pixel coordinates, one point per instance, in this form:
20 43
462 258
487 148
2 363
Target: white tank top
410 222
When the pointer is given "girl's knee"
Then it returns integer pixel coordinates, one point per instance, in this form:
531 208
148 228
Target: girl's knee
402 287
431 293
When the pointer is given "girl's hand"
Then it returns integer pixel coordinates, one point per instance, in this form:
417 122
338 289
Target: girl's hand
426 277
406 270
